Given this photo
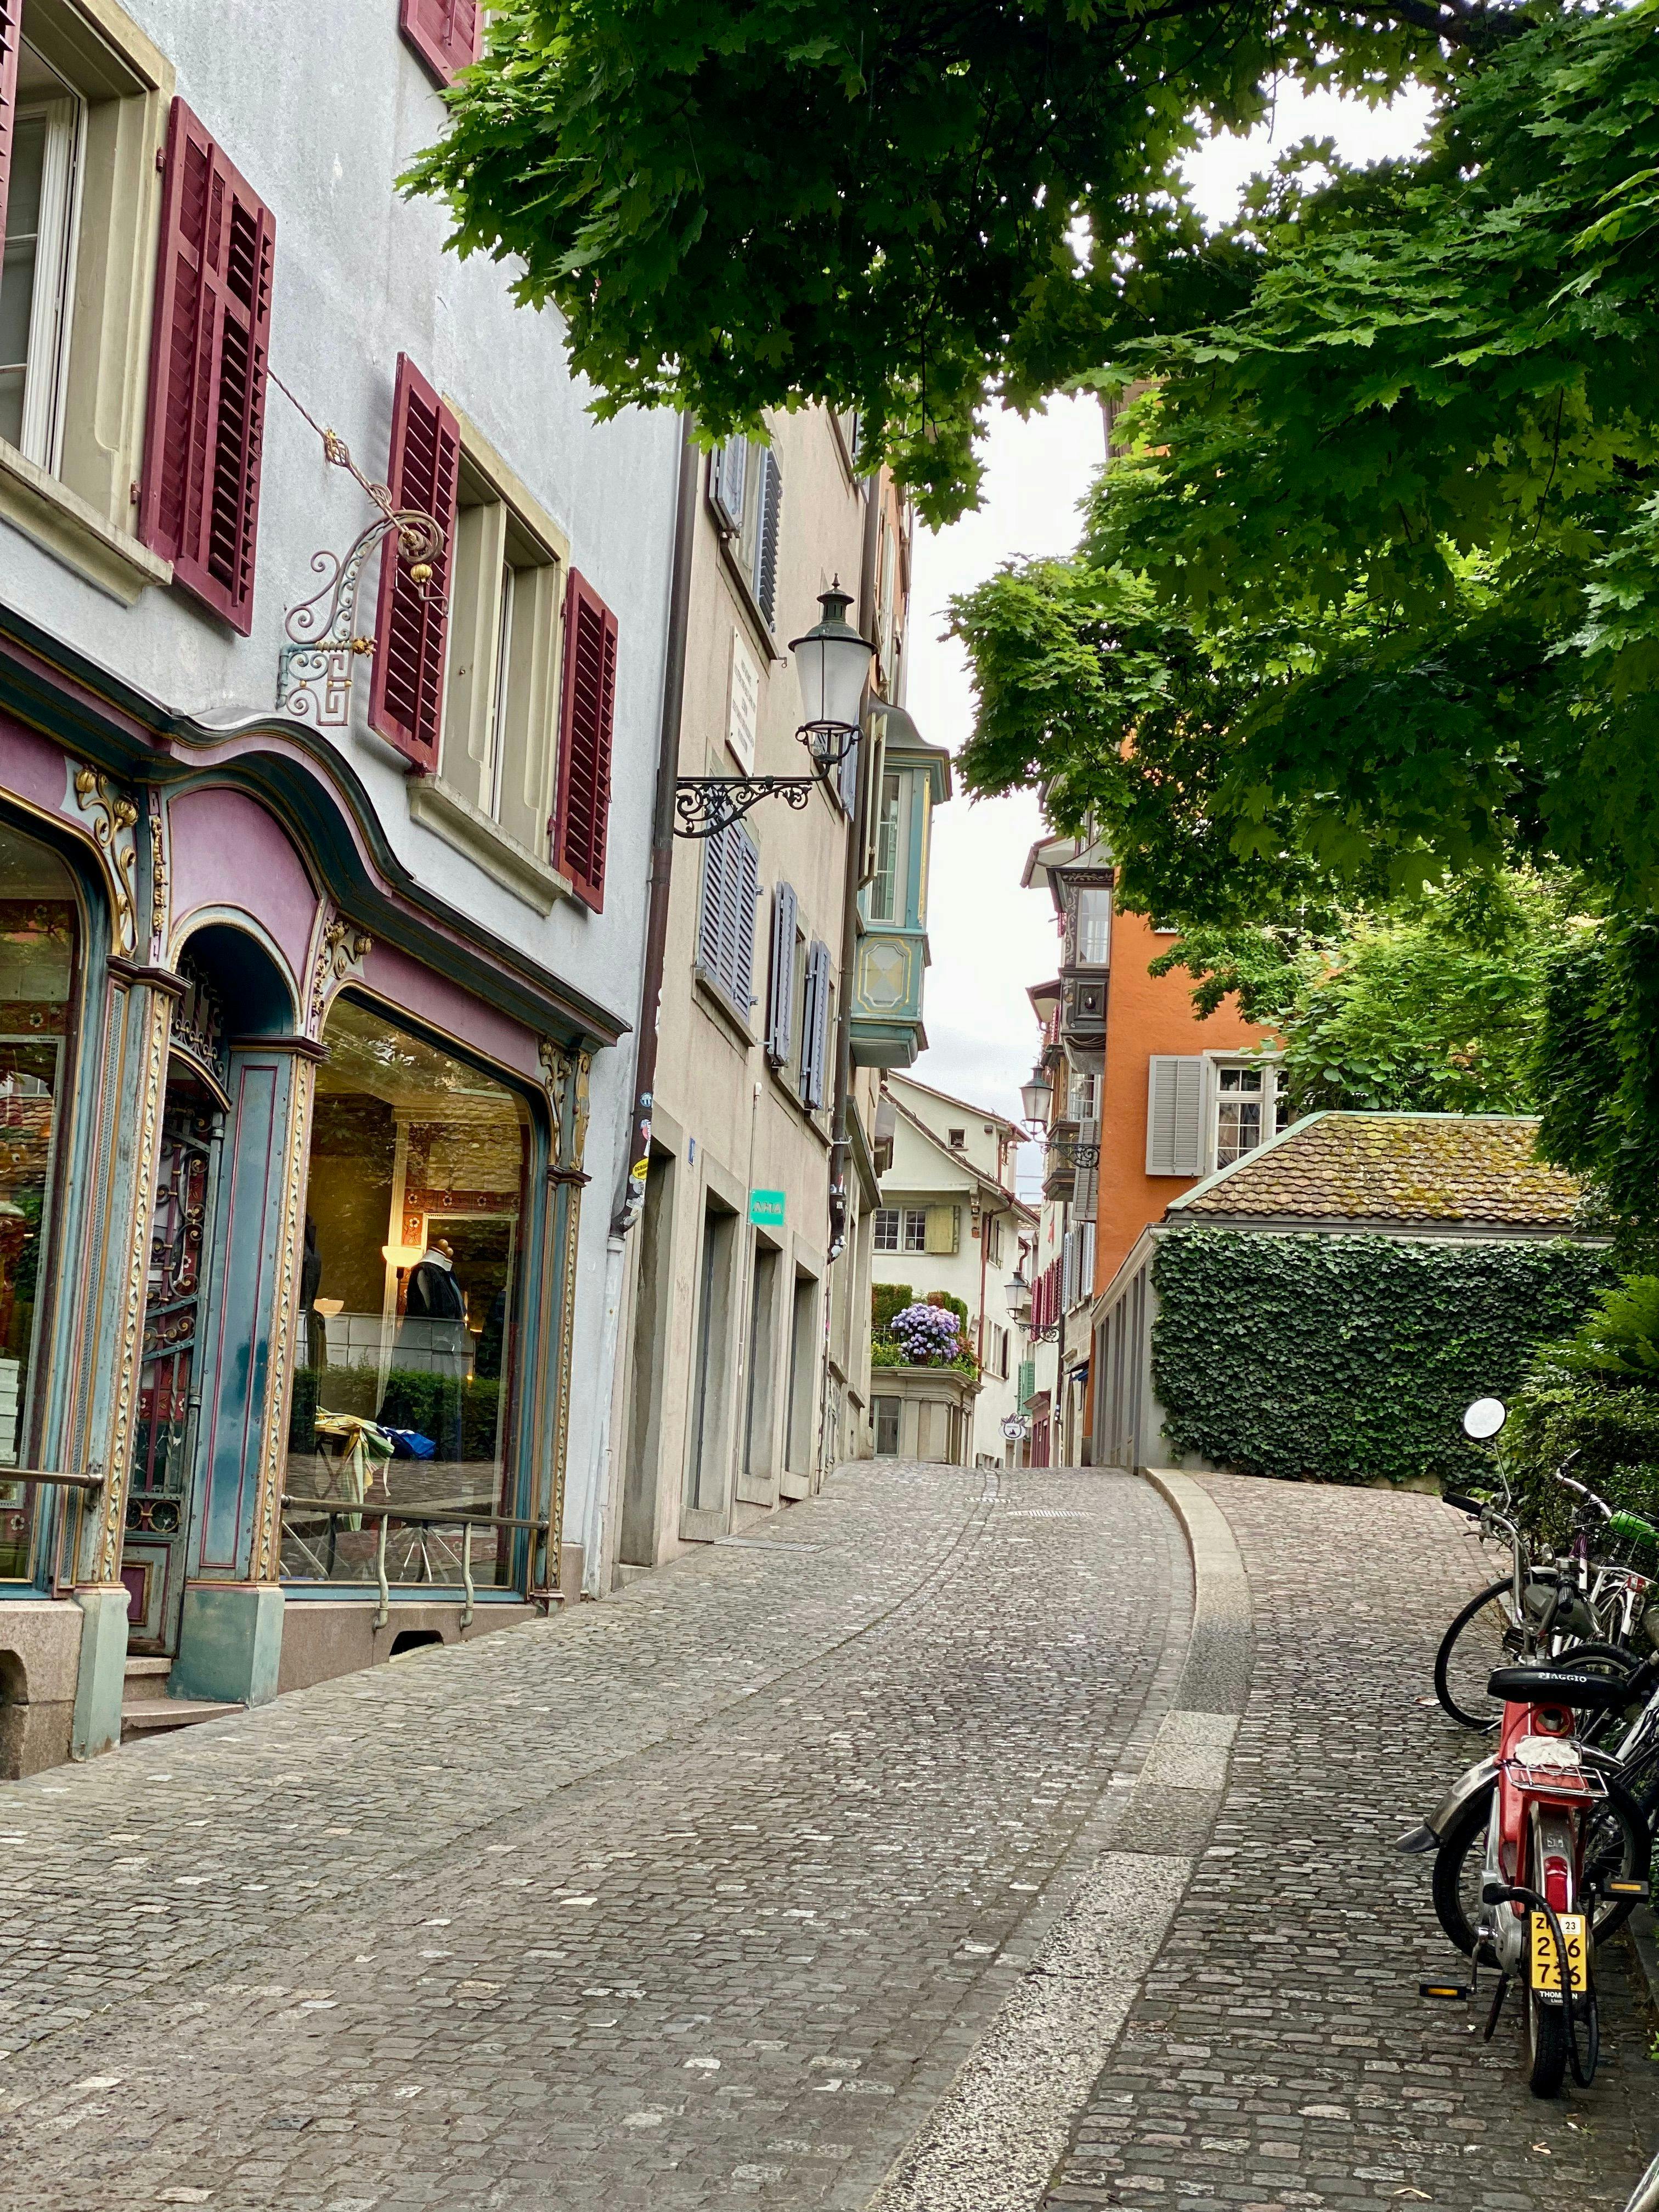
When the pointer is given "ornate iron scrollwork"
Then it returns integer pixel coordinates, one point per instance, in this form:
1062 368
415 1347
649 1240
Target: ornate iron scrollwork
1074 1155
706 805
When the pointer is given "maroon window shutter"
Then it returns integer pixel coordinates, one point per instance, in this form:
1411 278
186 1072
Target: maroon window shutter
11 15
445 33
406 693
584 723
199 503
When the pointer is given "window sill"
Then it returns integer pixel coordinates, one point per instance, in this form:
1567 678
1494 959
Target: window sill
72 531
461 824
715 1001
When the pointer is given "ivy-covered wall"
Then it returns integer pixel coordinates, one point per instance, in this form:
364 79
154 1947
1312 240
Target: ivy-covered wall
1342 1358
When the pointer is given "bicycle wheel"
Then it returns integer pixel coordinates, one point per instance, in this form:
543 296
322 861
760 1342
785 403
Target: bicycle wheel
1645 2197
1486 1634
1617 1844
1545 2029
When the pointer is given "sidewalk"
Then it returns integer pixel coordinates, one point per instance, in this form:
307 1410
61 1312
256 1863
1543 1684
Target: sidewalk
1278 2056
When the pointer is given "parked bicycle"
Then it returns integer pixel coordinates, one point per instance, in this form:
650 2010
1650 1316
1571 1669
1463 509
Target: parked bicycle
1593 1600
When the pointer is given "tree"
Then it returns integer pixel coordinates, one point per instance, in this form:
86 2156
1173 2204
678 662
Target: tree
902 209
1431 1007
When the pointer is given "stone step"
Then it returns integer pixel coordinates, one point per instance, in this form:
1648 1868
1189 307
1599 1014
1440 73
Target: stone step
146 1681
146 1716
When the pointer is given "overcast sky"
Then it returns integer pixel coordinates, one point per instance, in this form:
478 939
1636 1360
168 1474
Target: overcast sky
990 939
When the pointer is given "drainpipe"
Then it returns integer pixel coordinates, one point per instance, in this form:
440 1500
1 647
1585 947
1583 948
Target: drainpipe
841 1150
630 1194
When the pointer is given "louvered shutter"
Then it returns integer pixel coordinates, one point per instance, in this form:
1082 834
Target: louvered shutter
199 502
445 33
405 692
1174 1094
781 993
747 875
712 932
769 508
582 811
728 466
11 13
815 1027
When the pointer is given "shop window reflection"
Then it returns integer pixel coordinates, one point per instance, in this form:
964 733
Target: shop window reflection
408 1285
37 970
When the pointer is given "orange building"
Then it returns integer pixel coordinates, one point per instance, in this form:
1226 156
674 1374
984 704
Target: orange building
1147 1099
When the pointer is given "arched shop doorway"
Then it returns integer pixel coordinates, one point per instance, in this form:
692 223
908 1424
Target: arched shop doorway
209 1306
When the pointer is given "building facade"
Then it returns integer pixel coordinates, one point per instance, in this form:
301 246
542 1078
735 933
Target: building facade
794 944
949 1221
323 908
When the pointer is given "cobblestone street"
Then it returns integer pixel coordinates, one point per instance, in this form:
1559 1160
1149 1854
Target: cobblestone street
701 1896
819 1870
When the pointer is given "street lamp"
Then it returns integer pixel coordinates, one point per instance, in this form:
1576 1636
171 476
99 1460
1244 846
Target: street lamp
1037 1096
1016 1292
832 664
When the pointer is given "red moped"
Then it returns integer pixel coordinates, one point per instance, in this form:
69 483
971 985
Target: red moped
1535 1848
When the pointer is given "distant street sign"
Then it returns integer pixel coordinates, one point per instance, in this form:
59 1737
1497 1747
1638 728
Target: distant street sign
766 1208
1016 1428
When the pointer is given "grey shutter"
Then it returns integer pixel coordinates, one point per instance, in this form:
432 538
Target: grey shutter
815 1026
711 931
1175 1118
846 777
745 872
728 466
767 507
780 993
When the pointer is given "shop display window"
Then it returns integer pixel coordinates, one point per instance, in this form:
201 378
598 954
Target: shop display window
38 931
409 1290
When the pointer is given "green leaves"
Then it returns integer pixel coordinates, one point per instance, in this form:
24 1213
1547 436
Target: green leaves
1349 1358
747 204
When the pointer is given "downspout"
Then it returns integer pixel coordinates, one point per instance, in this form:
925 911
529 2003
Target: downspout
630 1194
842 1145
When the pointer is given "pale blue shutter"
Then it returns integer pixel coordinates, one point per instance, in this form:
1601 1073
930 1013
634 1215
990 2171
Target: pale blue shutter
815 1027
1175 1114
745 872
768 509
780 995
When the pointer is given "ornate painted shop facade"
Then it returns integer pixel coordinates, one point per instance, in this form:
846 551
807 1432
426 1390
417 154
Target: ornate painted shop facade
290 1162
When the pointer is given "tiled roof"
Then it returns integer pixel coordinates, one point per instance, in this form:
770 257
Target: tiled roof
1394 1167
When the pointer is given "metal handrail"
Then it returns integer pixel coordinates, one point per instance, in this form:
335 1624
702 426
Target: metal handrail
45 1474
422 1516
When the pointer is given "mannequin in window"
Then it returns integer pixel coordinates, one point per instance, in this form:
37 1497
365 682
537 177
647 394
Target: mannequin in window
433 1293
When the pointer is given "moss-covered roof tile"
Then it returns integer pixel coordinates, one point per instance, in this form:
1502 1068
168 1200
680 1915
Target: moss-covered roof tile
1407 1167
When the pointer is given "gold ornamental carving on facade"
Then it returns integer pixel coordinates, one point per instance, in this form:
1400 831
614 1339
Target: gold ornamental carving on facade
565 1077
341 953
114 817
159 882
158 1020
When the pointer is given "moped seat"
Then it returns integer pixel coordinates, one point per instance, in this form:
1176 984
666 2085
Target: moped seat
1558 1685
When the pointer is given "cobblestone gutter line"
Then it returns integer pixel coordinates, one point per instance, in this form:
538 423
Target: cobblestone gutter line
993 2142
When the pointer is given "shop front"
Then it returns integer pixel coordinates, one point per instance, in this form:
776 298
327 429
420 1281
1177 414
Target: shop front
290 1172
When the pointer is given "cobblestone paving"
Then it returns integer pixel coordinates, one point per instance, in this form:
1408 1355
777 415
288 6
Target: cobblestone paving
698 1898
1279 2056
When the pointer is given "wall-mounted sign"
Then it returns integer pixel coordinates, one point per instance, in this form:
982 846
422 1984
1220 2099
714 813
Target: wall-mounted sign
766 1209
743 712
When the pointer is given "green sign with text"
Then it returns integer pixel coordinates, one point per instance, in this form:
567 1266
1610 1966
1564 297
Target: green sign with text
766 1208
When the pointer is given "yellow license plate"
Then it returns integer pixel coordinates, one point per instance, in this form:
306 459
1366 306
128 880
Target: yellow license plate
1547 1964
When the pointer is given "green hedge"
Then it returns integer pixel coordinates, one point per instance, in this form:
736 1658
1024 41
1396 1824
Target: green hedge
1612 1427
1350 1359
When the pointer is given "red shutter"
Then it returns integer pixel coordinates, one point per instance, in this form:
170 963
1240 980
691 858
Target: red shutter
200 500
445 33
589 708
10 31
405 694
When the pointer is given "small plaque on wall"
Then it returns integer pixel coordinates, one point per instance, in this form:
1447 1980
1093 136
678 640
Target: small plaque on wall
743 712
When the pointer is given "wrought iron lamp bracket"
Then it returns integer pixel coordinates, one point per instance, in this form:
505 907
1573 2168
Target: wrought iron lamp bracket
1078 1156
1047 1335
706 805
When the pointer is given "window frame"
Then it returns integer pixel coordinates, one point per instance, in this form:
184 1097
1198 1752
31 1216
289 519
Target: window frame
912 1229
58 218
80 510
1274 1101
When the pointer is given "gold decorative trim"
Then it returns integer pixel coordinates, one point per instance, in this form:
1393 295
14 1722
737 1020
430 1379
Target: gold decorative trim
342 952
573 1202
284 1319
114 820
581 1110
117 1467
556 1081
159 882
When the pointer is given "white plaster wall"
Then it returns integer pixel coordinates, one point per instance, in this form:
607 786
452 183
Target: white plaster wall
321 108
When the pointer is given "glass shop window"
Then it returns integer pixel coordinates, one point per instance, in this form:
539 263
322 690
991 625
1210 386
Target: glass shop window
409 1290
38 933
